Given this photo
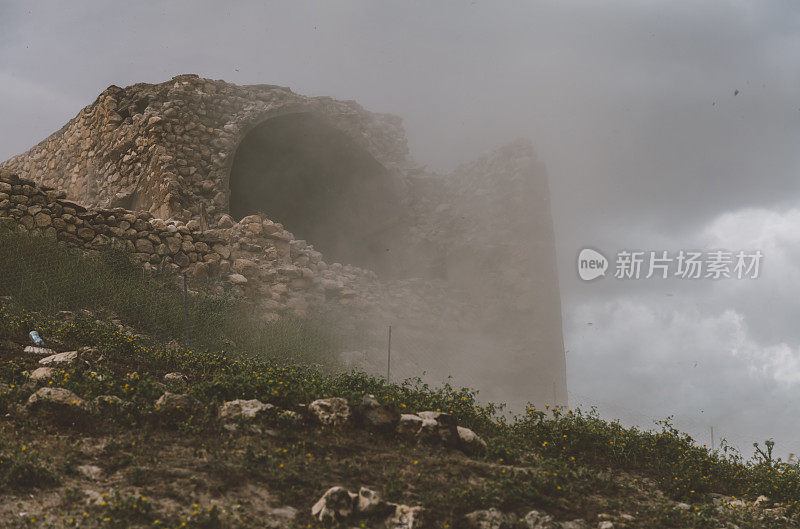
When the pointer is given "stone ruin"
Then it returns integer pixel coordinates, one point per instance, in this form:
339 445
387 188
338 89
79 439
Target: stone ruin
297 203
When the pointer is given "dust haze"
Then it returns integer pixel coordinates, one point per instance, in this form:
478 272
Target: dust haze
662 125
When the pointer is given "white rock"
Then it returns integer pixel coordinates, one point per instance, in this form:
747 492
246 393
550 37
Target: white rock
404 517
488 519
61 358
409 425
470 441
237 279
336 504
39 350
369 501
243 409
605 525
332 412
175 377
90 471
42 373
56 398
177 402
539 520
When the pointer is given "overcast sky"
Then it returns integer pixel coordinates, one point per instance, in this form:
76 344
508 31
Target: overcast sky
630 104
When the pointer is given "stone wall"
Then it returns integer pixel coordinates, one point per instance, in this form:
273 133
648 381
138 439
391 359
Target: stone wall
471 277
255 257
167 148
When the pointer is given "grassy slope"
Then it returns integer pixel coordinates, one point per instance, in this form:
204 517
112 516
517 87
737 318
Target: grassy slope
190 471
570 465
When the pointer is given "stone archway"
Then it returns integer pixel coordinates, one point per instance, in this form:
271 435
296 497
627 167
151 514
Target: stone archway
299 170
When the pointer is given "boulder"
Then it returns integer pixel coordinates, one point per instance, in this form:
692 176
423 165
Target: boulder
39 350
241 409
335 505
376 416
370 503
42 373
108 401
56 399
404 517
61 358
175 377
237 279
489 519
409 425
90 471
439 425
331 412
470 442
177 403
225 221
539 520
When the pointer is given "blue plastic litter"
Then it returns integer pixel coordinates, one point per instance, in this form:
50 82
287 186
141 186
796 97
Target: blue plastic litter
36 338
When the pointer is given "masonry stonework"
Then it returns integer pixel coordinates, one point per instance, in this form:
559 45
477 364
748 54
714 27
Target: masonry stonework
200 176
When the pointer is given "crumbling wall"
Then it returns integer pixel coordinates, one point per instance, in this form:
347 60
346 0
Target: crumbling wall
256 258
466 260
167 148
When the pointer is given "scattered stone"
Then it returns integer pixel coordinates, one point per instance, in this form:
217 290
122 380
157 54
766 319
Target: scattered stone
237 279
605 525
539 520
39 350
683 506
91 471
61 358
235 411
760 501
370 502
109 401
440 426
225 221
56 399
409 425
42 373
175 377
337 504
376 416
177 403
470 442
331 412
489 519
404 517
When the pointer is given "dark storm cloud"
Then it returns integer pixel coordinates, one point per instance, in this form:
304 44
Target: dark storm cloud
632 105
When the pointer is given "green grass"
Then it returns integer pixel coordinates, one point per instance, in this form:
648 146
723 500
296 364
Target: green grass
46 276
570 463
566 442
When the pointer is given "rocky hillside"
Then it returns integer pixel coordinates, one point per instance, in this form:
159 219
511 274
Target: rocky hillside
106 428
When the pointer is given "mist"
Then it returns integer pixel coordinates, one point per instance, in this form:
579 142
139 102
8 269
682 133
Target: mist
662 126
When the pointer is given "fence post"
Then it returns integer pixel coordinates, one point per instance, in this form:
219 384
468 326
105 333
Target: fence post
389 358
186 308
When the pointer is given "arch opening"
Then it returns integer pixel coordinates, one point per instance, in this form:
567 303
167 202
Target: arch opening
298 170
